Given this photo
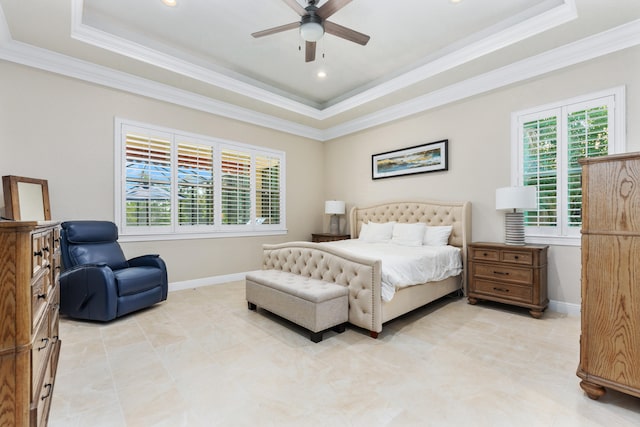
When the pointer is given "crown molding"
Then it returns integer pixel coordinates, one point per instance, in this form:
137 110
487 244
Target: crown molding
613 40
473 47
43 59
127 48
610 41
463 51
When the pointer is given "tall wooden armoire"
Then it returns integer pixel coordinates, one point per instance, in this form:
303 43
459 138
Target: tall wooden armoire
610 338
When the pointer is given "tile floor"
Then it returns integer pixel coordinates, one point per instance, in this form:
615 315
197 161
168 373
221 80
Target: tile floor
203 359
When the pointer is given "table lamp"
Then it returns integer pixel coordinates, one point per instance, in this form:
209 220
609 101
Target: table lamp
515 200
334 208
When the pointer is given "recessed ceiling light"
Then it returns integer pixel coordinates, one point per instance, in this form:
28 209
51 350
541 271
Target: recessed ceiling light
170 3
321 74
455 1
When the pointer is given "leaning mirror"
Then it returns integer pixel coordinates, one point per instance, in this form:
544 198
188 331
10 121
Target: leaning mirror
26 199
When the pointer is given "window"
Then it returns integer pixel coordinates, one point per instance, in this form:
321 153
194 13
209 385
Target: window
171 183
547 143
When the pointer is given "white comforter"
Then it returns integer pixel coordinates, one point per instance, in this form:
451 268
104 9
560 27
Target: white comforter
404 266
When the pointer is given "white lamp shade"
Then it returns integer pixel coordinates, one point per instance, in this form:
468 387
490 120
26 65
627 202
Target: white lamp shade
311 31
518 198
334 207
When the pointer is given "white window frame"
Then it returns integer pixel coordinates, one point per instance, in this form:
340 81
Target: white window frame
176 231
563 234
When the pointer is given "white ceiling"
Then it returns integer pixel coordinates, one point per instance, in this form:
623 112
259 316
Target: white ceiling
422 53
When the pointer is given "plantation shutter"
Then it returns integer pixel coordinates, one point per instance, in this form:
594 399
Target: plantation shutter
267 190
540 142
195 184
553 141
588 136
147 180
236 187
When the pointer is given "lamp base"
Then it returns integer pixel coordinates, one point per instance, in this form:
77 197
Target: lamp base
514 228
334 225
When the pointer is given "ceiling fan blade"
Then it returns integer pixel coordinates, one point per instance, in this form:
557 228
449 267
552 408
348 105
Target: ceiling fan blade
331 7
310 52
346 33
293 4
276 29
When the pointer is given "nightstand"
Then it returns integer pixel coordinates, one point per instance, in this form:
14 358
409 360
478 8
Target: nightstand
508 274
326 237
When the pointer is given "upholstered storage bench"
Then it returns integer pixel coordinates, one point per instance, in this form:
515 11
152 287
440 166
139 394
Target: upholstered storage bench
360 276
311 303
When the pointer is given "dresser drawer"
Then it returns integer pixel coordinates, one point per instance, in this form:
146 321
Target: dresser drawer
42 399
504 290
38 298
523 276
40 353
40 251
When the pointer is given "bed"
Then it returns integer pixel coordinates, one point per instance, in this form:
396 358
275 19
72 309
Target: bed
335 263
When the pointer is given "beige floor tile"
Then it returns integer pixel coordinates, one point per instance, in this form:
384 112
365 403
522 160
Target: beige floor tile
203 359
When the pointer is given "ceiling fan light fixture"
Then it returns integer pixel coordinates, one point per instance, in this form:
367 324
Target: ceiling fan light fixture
311 29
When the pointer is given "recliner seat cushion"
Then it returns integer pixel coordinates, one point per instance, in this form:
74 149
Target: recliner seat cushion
133 280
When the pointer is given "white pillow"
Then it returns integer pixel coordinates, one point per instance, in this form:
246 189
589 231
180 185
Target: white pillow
408 234
374 232
437 235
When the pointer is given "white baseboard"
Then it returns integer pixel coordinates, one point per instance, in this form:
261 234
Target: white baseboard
206 281
568 308
557 306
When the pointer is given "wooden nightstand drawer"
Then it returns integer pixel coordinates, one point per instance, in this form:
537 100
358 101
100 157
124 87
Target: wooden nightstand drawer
512 292
517 257
485 254
501 273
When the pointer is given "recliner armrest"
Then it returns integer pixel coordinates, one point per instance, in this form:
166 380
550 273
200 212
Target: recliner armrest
82 285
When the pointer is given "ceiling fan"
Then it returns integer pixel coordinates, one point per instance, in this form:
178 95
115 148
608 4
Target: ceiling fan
313 24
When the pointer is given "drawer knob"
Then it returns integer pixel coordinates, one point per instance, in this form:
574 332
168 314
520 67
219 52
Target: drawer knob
42 296
47 386
503 273
500 289
46 342
46 249
37 253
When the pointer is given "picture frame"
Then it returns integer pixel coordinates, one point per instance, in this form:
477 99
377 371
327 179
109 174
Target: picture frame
424 158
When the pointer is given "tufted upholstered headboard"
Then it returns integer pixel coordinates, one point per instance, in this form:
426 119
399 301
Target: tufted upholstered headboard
456 214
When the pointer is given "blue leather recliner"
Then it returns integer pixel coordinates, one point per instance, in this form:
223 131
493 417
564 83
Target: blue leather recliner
97 281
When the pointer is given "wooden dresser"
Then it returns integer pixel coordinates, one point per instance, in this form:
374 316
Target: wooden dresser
514 275
610 336
29 303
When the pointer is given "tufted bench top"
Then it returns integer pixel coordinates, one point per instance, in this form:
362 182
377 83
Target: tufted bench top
307 288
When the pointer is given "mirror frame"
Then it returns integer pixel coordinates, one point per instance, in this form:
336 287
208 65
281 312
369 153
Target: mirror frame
12 196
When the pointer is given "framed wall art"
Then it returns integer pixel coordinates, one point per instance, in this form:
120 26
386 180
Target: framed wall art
423 158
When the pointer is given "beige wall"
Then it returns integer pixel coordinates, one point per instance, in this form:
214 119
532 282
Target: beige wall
61 129
478 130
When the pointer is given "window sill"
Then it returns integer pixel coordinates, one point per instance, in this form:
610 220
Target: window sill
190 236
554 240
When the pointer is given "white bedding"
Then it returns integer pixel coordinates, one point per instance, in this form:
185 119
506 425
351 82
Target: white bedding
404 266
